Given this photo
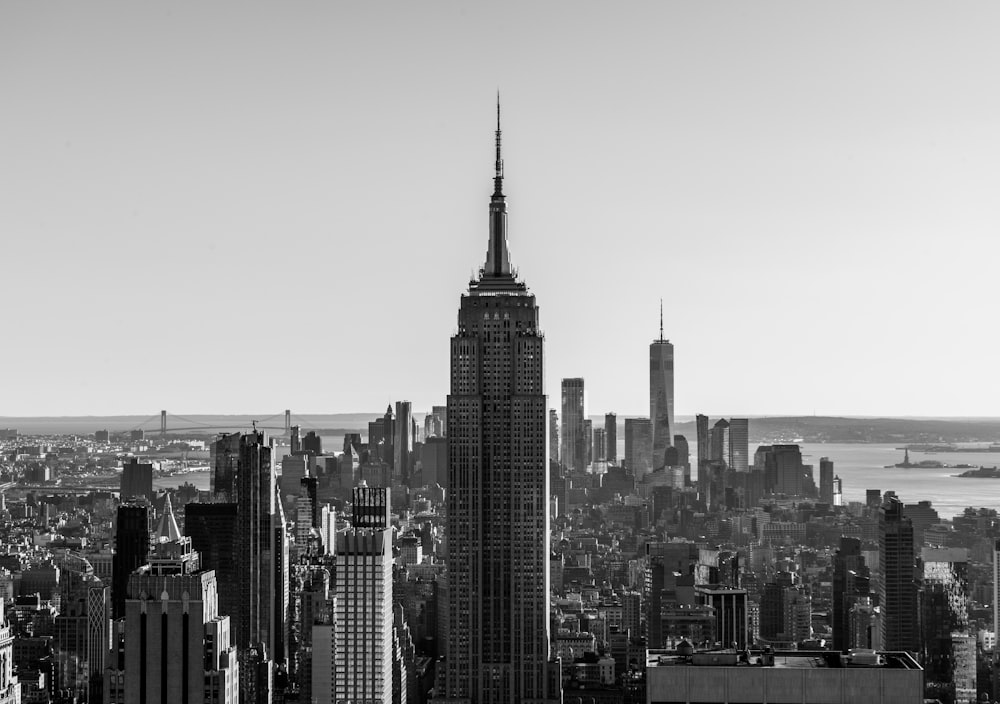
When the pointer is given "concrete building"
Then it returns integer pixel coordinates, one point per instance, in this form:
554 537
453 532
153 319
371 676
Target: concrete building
497 647
362 628
175 646
729 676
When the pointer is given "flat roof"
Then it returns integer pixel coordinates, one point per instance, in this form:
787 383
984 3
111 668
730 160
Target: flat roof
783 659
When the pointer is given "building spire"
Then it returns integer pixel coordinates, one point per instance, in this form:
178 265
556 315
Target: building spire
661 320
168 531
498 178
497 256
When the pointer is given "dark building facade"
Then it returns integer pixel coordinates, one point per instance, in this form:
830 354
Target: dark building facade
898 585
131 549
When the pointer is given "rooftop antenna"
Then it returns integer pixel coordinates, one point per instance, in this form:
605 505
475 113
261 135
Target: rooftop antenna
661 320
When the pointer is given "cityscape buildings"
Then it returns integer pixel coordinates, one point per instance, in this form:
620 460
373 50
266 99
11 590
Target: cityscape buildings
498 502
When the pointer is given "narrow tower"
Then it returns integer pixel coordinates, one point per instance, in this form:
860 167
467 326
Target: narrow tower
661 394
498 539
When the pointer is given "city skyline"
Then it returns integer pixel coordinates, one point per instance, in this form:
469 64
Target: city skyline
819 178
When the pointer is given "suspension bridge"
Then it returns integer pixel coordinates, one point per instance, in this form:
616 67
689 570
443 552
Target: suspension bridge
173 423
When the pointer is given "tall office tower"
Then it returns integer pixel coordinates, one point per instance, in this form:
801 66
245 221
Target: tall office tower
571 448
498 499
719 442
784 466
362 632
10 688
948 662
131 548
553 435
262 567
224 454
600 452
639 446
588 442
851 584
838 491
739 444
402 444
80 646
611 437
897 586
683 457
826 480
295 440
176 646
212 529
312 444
661 394
137 480
704 439
442 413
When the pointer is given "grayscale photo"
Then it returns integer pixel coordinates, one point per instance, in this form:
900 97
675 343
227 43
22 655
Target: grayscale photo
515 353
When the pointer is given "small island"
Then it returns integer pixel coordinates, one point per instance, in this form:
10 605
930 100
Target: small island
980 473
923 464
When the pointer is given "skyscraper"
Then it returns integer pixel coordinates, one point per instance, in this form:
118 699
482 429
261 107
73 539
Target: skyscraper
572 451
363 622
131 548
262 564
553 435
137 479
945 599
897 587
611 437
851 582
739 445
498 498
639 446
402 444
212 529
826 480
661 394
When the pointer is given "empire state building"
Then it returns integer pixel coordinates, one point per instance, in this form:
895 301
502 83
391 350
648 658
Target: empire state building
498 518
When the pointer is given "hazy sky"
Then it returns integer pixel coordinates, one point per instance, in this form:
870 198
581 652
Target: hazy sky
240 207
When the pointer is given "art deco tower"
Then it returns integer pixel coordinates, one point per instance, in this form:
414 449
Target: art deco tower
661 394
498 539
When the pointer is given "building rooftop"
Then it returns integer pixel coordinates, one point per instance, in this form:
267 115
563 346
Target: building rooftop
781 659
